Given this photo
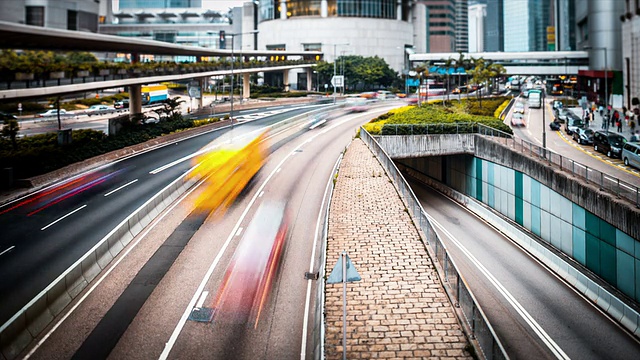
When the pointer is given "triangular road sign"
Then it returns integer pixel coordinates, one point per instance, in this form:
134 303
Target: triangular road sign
336 274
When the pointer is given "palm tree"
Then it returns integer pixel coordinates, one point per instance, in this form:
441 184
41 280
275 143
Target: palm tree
447 65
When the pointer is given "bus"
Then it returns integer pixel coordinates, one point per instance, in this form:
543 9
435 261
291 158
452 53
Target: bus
152 94
535 98
555 87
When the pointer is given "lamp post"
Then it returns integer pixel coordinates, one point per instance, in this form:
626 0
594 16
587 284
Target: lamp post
233 36
334 69
317 80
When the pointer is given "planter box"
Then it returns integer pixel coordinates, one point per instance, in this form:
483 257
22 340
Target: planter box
83 73
122 71
24 76
56 75
104 72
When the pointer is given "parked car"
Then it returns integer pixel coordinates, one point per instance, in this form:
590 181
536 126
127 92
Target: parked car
562 114
631 154
518 107
53 112
99 109
517 119
122 104
572 124
583 136
555 125
608 143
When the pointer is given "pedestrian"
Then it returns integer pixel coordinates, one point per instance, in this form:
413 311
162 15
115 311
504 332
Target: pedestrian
605 121
601 110
634 137
632 125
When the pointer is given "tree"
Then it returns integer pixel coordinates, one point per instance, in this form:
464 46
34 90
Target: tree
168 110
10 130
447 66
479 75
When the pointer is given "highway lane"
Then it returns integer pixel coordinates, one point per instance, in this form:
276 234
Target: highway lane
298 172
45 233
566 325
561 143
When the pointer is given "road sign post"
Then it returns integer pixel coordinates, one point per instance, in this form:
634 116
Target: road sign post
344 272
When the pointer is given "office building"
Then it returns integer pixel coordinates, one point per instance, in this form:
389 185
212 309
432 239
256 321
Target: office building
81 15
494 26
462 25
525 25
477 17
564 20
441 26
630 22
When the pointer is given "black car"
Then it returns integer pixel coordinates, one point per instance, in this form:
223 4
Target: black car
555 125
572 124
562 114
123 104
608 143
583 136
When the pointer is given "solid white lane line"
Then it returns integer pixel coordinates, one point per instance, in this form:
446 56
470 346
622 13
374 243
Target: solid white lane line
9 249
239 232
121 187
544 337
281 168
307 302
69 214
175 162
203 297
261 193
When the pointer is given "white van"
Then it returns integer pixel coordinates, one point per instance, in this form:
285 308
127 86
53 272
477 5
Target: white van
535 99
631 154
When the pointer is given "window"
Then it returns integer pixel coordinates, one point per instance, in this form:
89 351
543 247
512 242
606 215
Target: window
282 47
72 20
35 15
312 47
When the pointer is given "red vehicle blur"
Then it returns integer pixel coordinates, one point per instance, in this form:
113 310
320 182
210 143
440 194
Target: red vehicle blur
253 268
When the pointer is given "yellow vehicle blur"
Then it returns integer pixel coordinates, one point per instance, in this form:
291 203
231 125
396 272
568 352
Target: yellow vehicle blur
226 172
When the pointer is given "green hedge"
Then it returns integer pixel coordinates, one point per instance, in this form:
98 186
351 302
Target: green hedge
40 154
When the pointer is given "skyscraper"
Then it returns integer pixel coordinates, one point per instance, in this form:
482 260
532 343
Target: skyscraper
477 16
525 25
462 25
442 25
494 26
159 4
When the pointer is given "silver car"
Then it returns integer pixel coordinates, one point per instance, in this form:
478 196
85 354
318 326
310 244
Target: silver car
631 154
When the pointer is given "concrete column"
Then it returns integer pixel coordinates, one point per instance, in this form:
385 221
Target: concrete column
283 10
135 100
309 78
285 80
246 91
399 10
324 9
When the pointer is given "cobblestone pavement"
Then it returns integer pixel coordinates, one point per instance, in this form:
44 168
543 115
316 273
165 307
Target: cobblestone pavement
399 308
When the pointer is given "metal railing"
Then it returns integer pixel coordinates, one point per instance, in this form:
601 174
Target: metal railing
606 182
478 326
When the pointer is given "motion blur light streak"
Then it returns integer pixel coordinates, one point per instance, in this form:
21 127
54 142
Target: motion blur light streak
41 195
75 191
253 267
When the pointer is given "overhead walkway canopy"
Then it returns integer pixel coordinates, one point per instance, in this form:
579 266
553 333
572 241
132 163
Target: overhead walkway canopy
26 37
518 63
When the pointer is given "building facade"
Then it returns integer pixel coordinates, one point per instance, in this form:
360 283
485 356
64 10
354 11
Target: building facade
477 16
462 26
441 32
630 20
525 25
384 28
81 15
494 29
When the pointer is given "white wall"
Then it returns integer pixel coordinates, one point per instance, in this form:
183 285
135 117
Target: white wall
477 15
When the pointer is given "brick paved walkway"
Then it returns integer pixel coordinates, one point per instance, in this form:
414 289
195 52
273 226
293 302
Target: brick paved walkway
399 308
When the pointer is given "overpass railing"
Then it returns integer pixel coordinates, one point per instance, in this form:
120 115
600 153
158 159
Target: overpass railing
606 182
477 325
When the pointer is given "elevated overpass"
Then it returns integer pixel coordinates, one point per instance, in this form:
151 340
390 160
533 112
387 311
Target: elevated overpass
25 37
517 63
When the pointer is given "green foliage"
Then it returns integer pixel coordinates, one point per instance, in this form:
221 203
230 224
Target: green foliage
10 129
201 122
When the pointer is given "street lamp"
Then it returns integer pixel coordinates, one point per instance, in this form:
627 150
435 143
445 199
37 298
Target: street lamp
606 78
317 80
334 70
233 36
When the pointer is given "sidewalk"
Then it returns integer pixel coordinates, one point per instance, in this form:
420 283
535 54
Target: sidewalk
399 308
596 124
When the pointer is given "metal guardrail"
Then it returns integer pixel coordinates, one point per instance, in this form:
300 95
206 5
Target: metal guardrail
606 182
477 325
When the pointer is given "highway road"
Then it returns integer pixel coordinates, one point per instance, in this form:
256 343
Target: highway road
298 171
534 313
561 143
46 232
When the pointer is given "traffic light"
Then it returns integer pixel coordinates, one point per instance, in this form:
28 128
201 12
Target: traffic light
223 40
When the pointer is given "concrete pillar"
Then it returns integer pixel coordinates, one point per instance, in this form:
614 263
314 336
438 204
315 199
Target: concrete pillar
135 100
399 10
246 91
324 9
309 78
285 80
283 9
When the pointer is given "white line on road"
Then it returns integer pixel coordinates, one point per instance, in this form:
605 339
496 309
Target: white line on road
9 249
69 214
261 193
121 187
544 337
275 107
202 299
239 232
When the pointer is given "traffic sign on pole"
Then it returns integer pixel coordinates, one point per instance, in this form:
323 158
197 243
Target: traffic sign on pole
337 80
